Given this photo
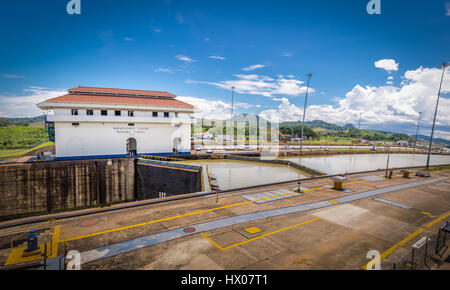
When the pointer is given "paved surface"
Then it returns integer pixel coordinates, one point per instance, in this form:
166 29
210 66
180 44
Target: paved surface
321 228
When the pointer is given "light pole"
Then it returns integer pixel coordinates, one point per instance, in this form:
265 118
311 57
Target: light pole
304 111
444 65
232 100
417 132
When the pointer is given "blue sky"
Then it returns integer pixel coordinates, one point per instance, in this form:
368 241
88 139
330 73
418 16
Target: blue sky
198 49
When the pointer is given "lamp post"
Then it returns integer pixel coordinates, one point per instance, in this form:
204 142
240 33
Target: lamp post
304 112
232 100
444 65
417 132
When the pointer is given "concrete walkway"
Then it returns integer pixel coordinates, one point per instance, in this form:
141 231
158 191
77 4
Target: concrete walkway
153 239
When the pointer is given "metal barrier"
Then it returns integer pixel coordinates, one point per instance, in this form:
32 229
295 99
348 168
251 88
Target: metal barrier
441 241
160 158
424 252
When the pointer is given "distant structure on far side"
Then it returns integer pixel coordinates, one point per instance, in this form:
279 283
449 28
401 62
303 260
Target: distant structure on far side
91 122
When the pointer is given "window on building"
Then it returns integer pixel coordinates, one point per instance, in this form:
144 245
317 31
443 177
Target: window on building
104 112
166 114
155 114
176 114
74 112
130 113
130 124
75 124
89 112
117 113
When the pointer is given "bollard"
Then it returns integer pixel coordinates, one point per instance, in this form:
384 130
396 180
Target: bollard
390 174
32 241
405 173
338 181
299 189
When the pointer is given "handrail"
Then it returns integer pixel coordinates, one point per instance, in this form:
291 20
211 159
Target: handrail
50 221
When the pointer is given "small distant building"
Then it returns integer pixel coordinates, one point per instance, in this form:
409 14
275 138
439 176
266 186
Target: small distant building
285 137
402 143
91 122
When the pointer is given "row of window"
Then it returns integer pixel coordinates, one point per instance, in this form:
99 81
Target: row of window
78 124
119 113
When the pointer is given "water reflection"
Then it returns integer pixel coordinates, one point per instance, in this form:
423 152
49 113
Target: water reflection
335 164
234 174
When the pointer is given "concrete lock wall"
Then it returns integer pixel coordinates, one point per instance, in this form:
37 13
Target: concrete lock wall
153 177
59 185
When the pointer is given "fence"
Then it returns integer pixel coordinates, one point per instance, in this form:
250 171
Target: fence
425 252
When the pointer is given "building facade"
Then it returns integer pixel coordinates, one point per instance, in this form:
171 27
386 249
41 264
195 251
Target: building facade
93 122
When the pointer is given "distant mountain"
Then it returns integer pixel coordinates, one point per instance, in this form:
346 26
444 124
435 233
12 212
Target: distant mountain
319 124
29 120
435 140
247 117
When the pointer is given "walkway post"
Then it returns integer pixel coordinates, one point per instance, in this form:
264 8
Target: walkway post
444 65
387 164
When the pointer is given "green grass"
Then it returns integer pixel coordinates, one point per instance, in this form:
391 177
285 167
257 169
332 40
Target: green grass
21 137
20 152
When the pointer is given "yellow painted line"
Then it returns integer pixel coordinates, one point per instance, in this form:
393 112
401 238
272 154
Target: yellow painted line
408 238
211 241
169 167
258 237
16 255
333 201
425 212
201 211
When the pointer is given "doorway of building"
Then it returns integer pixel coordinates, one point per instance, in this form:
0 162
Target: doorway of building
131 147
176 145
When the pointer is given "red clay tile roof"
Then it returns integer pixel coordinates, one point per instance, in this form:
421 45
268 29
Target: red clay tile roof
127 92
139 101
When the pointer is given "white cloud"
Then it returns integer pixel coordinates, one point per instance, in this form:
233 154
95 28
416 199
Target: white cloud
9 76
25 105
260 85
390 78
287 54
166 70
184 58
216 57
388 108
447 8
212 109
253 67
128 39
387 64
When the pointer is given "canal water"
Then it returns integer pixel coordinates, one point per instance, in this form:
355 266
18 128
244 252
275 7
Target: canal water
233 174
336 164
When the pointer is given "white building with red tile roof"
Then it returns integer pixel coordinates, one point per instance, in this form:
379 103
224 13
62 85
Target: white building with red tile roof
92 122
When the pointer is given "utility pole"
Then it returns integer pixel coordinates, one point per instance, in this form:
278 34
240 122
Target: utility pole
444 65
359 122
232 100
417 132
304 112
